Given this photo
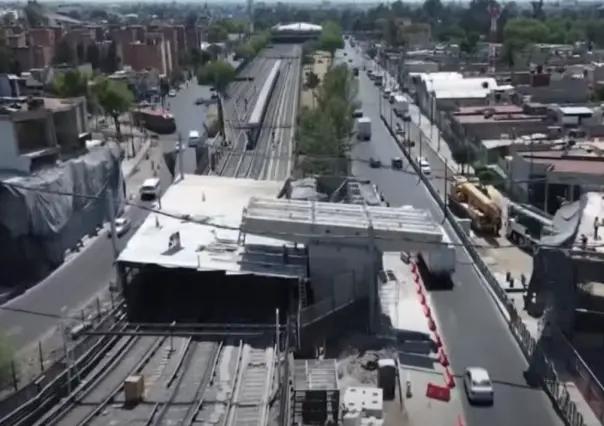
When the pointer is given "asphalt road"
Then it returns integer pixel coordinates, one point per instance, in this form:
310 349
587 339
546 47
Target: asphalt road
28 317
474 332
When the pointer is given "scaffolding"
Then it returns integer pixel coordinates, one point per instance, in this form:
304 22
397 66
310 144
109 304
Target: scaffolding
316 393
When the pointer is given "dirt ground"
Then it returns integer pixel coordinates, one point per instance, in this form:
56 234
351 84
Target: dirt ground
320 66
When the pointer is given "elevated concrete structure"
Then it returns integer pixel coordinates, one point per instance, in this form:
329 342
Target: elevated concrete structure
353 225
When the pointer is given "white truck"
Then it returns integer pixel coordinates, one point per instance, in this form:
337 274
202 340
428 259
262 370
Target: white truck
440 261
363 125
400 106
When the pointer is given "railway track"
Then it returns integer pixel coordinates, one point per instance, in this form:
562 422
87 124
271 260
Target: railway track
188 386
158 372
250 92
249 404
265 161
129 358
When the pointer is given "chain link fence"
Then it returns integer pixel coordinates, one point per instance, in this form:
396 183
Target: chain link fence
540 366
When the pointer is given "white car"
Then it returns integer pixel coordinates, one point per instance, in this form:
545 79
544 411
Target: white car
172 93
424 166
478 385
122 226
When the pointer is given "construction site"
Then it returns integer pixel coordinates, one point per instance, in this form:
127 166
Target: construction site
234 303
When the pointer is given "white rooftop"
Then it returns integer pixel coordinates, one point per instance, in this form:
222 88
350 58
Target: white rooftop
201 206
298 26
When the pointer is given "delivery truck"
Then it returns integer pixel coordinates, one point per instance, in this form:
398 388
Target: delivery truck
401 106
363 125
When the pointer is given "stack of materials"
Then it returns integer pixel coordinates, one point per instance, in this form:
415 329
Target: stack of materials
363 406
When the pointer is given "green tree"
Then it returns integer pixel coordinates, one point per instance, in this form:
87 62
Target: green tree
312 82
71 84
464 156
216 33
469 43
34 15
64 54
331 38
323 133
219 74
114 98
245 51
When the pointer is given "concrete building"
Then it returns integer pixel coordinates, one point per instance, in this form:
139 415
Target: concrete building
547 178
42 132
497 121
153 53
296 32
234 239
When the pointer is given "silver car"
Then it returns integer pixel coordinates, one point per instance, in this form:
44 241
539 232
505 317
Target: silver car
478 385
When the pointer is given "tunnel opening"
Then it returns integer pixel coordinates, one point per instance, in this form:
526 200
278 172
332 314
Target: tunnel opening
166 295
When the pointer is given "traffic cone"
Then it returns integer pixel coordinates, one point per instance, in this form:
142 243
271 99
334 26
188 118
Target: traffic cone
449 378
427 312
413 267
442 358
419 289
438 340
431 324
422 299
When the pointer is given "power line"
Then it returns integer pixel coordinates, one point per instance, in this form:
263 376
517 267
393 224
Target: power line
207 222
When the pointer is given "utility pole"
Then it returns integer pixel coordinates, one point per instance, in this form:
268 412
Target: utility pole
111 207
277 342
180 159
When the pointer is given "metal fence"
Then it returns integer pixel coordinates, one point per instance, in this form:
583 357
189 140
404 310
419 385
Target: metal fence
539 364
24 395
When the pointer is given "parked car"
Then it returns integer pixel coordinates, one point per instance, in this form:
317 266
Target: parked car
122 226
374 163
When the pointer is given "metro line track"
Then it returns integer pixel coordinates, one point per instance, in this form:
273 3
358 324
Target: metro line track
242 91
127 359
254 166
205 356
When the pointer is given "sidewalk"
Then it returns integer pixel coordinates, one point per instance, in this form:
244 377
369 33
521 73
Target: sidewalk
442 150
419 360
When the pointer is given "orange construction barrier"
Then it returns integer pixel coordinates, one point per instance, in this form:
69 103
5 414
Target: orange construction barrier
427 312
438 340
440 393
449 378
443 358
431 324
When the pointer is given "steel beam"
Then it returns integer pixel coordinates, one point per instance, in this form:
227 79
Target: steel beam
180 333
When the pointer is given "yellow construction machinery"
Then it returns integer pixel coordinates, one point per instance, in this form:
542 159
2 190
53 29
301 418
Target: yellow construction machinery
478 202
